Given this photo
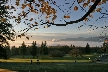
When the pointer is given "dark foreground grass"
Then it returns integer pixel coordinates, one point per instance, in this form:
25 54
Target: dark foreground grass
55 67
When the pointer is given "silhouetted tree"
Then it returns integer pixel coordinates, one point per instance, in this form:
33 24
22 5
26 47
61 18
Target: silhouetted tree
15 51
6 28
42 49
23 49
45 48
29 48
8 51
34 49
3 53
87 48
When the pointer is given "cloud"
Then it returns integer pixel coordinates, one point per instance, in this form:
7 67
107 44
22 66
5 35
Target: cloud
54 40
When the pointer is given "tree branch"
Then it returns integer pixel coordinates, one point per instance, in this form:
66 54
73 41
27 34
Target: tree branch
81 19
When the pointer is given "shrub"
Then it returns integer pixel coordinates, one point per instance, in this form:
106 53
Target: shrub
75 52
56 53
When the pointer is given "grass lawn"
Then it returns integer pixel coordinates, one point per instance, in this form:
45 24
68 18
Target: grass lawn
41 60
48 64
55 67
66 57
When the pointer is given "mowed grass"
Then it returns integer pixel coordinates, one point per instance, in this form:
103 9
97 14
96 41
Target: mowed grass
55 67
46 58
48 64
40 60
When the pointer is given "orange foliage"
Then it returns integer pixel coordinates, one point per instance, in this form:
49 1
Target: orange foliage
75 8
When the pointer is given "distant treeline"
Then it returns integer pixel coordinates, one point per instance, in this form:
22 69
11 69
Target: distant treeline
34 50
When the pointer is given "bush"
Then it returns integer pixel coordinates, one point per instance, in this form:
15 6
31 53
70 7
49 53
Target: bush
56 53
75 52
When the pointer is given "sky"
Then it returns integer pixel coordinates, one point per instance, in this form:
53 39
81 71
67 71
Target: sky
55 33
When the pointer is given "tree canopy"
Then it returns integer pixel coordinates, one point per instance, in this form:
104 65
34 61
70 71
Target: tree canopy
6 28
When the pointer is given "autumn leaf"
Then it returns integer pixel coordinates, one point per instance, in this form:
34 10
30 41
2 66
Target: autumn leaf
23 6
38 5
23 13
17 3
46 17
36 28
26 19
99 3
93 0
88 1
98 9
80 1
23 34
85 4
41 1
28 5
27 38
48 21
13 17
75 8
104 1
31 19
12 7
3 19
13 30
32 10
86 19
19 18
32 7
66 16
19 36
36 22
54 17
7 7
90 16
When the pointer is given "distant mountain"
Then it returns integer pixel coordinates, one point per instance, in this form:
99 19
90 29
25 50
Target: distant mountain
94 39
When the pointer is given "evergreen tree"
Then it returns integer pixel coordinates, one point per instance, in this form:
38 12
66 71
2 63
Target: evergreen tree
44 49
3 53
87 48
34 49
13 51
23 49
8 51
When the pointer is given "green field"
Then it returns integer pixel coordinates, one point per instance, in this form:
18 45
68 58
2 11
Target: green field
48 64
55 67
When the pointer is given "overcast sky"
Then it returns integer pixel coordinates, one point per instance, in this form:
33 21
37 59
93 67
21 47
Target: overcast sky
56 32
